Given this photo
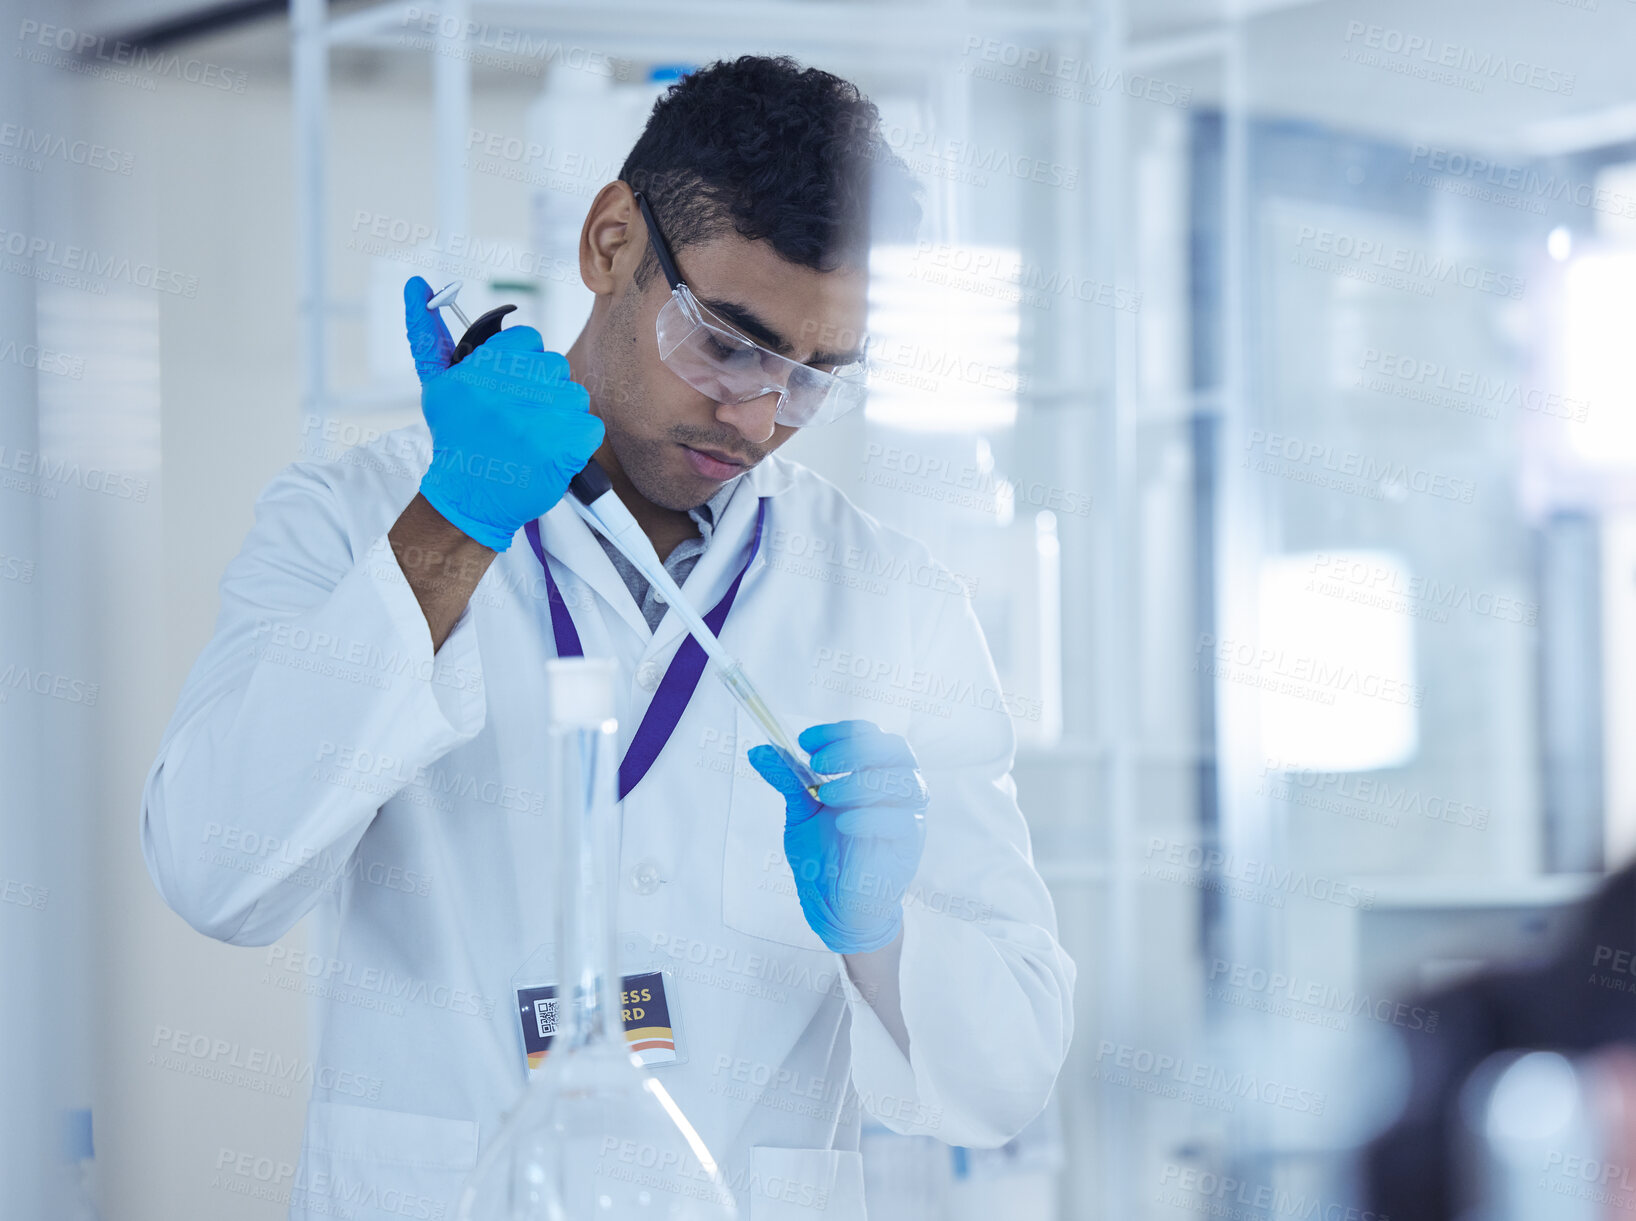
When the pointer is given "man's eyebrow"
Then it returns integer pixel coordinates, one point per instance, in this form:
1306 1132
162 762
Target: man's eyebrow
758 329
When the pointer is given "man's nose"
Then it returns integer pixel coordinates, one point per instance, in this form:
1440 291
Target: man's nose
753 418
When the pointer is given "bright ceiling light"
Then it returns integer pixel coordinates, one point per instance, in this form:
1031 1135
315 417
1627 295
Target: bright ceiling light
1334 662
944 333
1598 358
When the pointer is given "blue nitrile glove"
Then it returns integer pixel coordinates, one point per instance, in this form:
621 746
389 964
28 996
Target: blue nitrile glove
509 429
855 850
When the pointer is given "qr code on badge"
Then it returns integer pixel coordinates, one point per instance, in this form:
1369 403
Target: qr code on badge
545 1013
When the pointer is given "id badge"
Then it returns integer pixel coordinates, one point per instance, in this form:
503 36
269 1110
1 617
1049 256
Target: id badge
647 994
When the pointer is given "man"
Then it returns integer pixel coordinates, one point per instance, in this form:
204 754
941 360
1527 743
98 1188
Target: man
362 738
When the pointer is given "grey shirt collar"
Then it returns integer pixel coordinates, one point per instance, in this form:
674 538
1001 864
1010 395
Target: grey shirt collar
679 562
709 513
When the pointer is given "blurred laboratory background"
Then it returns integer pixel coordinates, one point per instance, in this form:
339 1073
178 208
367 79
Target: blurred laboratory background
1264 370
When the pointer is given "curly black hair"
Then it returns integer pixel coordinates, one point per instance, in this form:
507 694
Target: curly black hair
775 152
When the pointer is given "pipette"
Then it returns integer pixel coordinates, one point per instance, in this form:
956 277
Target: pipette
592 496
486 326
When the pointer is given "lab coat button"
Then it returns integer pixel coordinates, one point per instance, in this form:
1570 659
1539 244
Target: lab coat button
645 877
647 676
659 597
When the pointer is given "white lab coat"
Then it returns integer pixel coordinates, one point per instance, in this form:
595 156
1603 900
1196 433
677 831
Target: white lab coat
321 758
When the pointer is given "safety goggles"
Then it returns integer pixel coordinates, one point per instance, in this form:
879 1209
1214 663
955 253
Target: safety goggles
717 361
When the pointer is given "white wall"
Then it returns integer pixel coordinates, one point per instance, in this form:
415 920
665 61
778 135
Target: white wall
212 184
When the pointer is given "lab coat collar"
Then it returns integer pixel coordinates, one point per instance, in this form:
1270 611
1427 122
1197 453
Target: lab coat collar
569 540
771 476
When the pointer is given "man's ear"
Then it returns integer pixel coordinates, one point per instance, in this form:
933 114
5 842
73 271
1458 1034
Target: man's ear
608 252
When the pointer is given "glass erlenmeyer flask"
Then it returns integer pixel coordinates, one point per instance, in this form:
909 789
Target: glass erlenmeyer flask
594 1137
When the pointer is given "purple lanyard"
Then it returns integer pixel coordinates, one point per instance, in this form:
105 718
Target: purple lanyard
681 678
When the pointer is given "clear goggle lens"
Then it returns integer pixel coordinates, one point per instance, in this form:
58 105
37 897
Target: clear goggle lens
731 369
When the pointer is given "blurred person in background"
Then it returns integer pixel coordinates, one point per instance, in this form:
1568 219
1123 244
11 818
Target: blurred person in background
1436 1162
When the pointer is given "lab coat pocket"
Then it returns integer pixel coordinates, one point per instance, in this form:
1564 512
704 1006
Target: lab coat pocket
372 1164
805 1185
758 889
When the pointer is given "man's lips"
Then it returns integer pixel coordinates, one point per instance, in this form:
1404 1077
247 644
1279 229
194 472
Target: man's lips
720 455
713 464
